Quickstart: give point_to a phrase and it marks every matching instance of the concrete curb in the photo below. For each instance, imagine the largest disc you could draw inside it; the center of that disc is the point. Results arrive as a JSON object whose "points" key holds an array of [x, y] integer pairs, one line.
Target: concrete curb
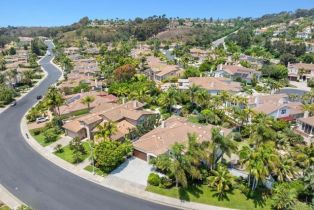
{"points": [[9, 199], [126, 187]]}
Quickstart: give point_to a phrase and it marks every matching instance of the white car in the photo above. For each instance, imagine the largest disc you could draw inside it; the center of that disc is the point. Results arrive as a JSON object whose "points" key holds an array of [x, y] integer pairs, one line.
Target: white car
{"points": [[41, 119]]}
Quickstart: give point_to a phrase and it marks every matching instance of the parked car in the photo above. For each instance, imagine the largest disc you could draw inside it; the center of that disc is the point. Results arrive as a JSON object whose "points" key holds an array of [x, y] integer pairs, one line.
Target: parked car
{"points": [[13, 103], [41, 119], [39, 97]]}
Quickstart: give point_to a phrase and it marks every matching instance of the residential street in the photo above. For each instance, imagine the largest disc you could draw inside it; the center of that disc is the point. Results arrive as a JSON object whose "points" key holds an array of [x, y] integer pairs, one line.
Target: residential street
{"points": [[38, 182]]}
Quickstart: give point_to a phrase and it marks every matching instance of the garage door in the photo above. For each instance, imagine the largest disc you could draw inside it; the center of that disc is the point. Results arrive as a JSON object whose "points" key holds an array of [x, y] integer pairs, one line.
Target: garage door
{"points": [[140, 155]]}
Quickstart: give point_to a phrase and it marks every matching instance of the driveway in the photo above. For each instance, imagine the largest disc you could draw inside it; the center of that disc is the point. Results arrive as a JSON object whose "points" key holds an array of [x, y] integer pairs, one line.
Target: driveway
{"points": [[134, 170]]}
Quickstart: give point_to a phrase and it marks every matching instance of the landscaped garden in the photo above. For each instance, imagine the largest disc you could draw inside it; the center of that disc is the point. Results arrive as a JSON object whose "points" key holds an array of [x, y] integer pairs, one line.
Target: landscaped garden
{"points": [[75, 152]]}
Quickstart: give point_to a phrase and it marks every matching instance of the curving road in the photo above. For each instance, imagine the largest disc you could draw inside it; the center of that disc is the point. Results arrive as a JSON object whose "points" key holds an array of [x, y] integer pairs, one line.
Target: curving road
{"points": [[41, 184]]}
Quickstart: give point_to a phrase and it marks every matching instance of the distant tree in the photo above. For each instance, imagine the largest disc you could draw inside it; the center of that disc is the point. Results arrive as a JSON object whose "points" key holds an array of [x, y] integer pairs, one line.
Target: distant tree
{"points": [[12, 51], [124, 73], [287, 58], [191, 72], [275, 71], [87, 100], [2, 63]]}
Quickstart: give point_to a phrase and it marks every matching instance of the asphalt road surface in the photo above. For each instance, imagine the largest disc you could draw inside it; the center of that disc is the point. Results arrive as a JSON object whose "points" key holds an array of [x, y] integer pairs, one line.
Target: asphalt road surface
{"points": [[41, 184]]}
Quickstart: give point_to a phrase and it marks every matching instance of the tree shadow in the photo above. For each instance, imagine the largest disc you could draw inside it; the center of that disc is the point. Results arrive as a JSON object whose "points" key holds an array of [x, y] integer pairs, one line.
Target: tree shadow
{"points": [[258, 197], [223, 196], [193, 190]]}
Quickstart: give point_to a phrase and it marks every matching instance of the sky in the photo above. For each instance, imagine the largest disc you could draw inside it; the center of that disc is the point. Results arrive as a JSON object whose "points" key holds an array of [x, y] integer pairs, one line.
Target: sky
{"points": [[64, 12]]}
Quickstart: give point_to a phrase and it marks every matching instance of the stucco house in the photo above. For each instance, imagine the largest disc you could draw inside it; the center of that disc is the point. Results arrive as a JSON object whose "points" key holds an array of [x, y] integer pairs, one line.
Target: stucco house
{"points": [[234, 72], [126, 116], [173, 130], [214, 85]]}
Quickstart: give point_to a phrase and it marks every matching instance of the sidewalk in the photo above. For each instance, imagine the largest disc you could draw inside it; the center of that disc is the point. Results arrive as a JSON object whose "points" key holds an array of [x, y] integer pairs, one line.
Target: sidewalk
{"points": [[9, 199], [64, 140]]}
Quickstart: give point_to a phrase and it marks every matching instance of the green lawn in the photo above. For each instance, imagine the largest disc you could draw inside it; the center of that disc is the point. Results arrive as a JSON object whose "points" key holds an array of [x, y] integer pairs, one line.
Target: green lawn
{"points": [[97, 170], [41, 139], [67, 153], [203, 194], [4, 207]]}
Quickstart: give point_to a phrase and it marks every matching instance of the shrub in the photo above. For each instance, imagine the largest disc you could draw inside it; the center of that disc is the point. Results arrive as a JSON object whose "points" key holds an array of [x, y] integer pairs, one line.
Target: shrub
{"points": [[237, 136], [284, 197], [153, 179], [165, 182], [58, 148], [37, 131]]}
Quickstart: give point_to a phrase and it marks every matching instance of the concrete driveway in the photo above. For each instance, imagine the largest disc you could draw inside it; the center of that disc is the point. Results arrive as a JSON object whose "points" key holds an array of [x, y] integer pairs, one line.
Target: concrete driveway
{"points": [[134, 170]]}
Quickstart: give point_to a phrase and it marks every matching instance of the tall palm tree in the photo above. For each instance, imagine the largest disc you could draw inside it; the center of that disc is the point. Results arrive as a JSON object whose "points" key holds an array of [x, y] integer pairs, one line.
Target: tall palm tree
{"points": [[286, 170], [87, 100], [192, 92], [54, 99], [2, 63], [179, 164], [221, 180], [221, 145], [106, 130], [202, 98], [260, 162], [12, 74], [169, 98]]}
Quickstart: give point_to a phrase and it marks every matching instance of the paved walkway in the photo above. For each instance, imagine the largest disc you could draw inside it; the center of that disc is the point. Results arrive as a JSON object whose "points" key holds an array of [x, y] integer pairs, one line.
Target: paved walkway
{"points": [[64, 140]]}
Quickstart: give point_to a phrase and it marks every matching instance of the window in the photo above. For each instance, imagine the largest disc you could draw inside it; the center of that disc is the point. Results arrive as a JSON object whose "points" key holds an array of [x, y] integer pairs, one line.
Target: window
{"points": [[283, 111]]}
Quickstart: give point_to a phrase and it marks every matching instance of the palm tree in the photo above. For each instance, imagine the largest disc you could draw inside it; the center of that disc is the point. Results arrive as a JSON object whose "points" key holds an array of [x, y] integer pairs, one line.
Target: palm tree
{"points": [[27, 77], [260, 162], [210, 116], [301, 72], [87, 100], [202, 97], [221, 180], [106, 130], [12, 73], [2, 63], [224, 97], [286, 170], [169, 98], [179, 164], [54, 99], [261, 129], [192, 92], [221, 145], [284, 197]]}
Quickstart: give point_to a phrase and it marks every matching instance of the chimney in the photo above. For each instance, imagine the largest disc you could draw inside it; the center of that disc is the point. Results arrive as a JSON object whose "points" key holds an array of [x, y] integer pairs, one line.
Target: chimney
{"points": [[257, 100], [82, 90], [220, 67], [134, 104], [123, 100], [221, 132], [306, 114], [163, 124]]}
